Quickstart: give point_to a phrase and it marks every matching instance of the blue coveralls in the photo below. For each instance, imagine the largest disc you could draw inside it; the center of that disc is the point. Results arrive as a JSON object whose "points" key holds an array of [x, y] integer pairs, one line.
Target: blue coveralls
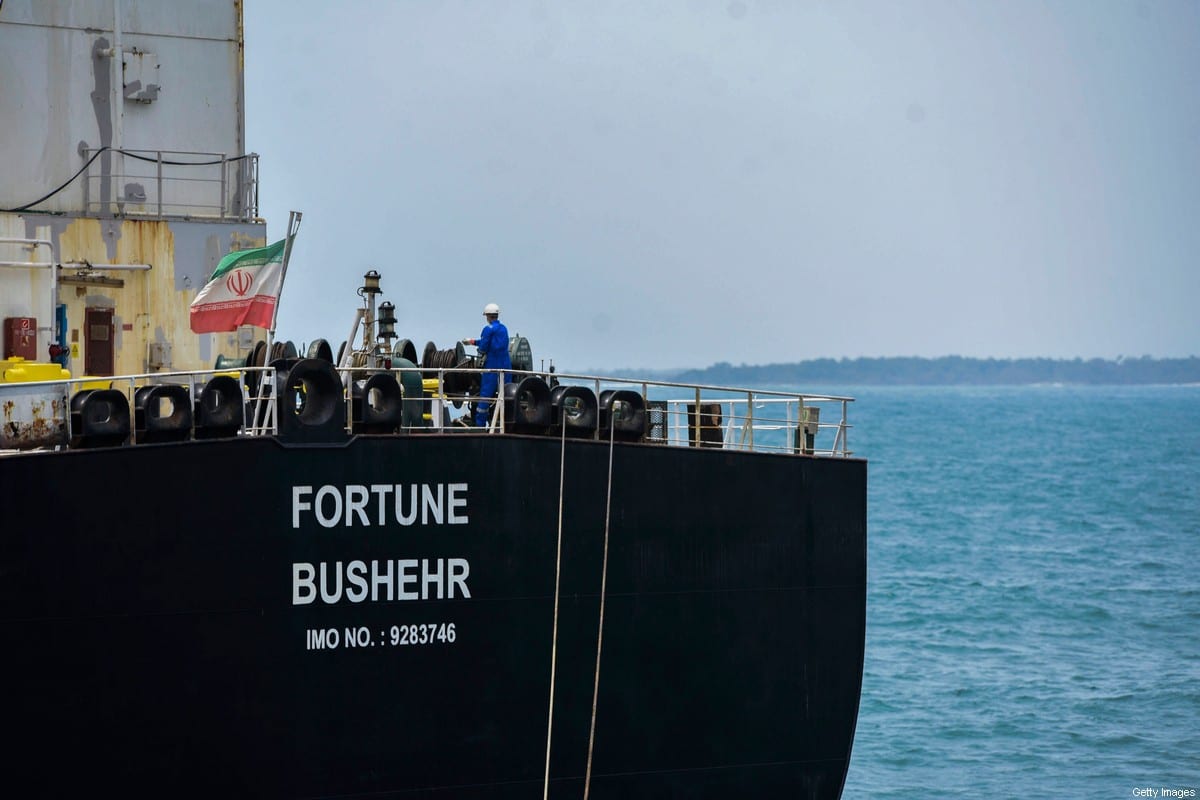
{"points": [[492, 343]]}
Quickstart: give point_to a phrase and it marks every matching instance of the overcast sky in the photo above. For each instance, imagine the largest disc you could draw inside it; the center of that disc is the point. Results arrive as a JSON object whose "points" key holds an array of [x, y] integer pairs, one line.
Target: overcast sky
{"points": [[675, 184]]}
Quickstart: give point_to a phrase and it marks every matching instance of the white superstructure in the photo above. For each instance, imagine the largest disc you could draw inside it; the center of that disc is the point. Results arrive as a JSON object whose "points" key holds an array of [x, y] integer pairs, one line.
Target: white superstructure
{"points": [[125, 175]]}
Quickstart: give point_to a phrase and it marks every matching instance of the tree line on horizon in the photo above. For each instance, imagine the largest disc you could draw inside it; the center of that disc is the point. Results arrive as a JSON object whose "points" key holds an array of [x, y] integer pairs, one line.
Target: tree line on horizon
{"points": [[954, 370]]}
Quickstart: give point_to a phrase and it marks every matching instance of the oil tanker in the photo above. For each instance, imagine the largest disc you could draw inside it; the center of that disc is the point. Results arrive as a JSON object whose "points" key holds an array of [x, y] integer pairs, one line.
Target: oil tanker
{"points": [[233, 566]]}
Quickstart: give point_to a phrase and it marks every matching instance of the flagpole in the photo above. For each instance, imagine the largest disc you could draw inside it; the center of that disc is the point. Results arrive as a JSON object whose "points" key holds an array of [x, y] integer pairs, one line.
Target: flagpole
{"points": [[293, 226], [294, 218]]}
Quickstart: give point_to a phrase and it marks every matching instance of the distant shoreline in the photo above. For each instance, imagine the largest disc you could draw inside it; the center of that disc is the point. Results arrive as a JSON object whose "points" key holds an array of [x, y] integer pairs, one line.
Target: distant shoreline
{"points": [[950, 371]]}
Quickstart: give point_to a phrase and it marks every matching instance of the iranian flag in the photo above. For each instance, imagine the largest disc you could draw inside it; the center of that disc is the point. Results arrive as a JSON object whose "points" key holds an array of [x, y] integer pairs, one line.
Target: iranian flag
{"points": [[243, 290]]}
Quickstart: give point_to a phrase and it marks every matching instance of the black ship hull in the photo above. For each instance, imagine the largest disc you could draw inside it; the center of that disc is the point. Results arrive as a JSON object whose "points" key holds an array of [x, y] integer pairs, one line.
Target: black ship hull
{"points": [[249, 618]]}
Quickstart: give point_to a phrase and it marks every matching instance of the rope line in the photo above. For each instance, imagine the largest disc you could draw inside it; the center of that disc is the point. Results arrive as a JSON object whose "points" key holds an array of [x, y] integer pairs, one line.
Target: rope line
{"points": [[587, 778], [70, 180], [440, 359], [562, 463]]}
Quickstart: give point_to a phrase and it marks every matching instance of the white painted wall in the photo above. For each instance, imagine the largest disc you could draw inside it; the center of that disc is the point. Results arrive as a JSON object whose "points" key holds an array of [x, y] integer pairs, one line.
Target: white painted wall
{"points": [[50, 76]]}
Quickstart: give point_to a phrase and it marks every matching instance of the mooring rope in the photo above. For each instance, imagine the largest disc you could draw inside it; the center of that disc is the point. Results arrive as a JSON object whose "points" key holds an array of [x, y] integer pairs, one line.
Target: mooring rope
{"points": [[439, 359], [562, 463], [587, 778]]}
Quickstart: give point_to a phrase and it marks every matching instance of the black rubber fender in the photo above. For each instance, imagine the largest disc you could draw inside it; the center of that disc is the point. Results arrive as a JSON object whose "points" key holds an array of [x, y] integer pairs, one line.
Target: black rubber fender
{"points": [[151, 425], [99, 418], [527, 407], [382, 416], [623, 413], [320, 349], [219, 412], [574, 408], [311, 402]]}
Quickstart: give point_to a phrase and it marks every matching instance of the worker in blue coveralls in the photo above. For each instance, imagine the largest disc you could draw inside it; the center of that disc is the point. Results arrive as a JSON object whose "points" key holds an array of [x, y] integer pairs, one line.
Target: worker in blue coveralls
{"points": [[493, 346]]}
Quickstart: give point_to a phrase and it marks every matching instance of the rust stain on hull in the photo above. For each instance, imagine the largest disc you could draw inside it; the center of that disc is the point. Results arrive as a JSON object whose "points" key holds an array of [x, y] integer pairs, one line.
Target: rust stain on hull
{"points": [[38, 429]]}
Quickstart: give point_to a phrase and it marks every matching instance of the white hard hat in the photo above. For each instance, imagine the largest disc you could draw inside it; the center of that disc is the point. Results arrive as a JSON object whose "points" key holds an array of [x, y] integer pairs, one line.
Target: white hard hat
{"points": [[491, 308]]}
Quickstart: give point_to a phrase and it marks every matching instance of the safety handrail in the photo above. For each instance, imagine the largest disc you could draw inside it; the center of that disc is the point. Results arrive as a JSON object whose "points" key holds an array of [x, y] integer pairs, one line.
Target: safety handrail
{"points": [[678, 414], [226, 187], [738, 410]]}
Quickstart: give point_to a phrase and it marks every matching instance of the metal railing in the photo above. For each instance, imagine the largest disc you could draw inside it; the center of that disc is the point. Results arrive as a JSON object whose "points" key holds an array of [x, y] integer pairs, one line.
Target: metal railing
{"points": [[677, 414], [700, 415], [171, 183]]}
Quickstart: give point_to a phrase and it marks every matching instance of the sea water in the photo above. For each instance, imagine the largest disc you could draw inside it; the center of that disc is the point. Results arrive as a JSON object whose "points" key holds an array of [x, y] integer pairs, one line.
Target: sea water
{"points": [[1033, 621]]}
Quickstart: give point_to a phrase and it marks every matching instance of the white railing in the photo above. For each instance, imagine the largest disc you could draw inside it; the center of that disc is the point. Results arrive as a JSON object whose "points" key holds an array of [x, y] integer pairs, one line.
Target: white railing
{"points": [[176, 183], [738, 419], [677, 414]]}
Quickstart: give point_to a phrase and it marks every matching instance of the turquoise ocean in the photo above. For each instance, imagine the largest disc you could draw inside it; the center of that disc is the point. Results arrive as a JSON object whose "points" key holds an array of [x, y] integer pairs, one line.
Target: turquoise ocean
{"points": [[1033, 623]]}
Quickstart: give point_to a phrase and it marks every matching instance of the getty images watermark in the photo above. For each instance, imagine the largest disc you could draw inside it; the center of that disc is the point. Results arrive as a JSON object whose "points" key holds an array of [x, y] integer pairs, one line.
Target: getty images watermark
{"points": [[1162, 791]]}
